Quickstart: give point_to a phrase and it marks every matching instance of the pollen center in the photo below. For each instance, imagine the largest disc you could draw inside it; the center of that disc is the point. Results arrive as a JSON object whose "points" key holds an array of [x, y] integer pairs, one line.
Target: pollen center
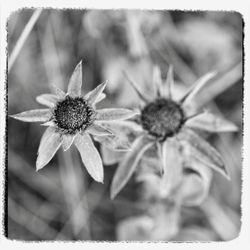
{"points": [[73, 114], [162, 118]]}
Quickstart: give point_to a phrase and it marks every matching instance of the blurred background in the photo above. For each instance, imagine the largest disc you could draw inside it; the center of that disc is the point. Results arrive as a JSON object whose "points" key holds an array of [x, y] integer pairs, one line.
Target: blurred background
{"points": [[62, 202]]}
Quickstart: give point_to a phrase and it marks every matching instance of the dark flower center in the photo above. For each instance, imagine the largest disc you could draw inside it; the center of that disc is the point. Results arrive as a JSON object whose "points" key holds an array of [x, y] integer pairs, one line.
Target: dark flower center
{"points": [[162, 118], [73, 114]]}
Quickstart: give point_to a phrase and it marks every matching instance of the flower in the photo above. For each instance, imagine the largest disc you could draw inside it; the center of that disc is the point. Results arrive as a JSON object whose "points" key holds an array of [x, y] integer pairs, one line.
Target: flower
{"points": [[72, 118], [166, 124]]}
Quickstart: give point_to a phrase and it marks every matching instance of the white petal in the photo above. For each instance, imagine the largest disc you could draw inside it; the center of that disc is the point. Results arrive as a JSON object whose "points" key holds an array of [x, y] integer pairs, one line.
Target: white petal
{"points": [[210, 122], [196, 147], [90, 156], [49, 144], [196, 88], [114, 114], [60, 94], [75, 82], [67, 141], [98, 130], [139, 92], [169, 84], [35, 115], [157, 82], [49, 100], [128, 165], [94, 96]]}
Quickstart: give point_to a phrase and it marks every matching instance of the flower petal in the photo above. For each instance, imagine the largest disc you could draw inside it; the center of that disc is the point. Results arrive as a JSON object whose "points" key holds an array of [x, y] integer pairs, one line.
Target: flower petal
{"points": [[47, 100], [114, 114], [210, 122], [196, 147], [142, 95], [35, 115], [196, 88], [157, 82], [169, 83], [100, 97], [90, 156], [129, 164], [94, 96], [98, 130], [49, 144], [60, 94], [67, 141], [75, 82]]}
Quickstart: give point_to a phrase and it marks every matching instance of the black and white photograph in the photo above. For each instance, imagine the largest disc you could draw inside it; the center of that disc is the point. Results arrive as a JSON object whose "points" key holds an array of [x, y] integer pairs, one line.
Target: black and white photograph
{"points": [[123, 125]]}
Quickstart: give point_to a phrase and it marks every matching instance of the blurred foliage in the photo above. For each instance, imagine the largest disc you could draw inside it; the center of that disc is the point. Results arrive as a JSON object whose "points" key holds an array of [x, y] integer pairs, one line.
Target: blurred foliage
{"points": [[61, 202]]}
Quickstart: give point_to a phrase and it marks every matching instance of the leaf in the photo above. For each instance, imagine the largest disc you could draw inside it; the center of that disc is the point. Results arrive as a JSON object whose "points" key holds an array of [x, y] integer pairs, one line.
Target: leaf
{"points": [[49, 144], [110, 157], [113, 114], [113, 142], [210, 122], [195, 185], [98, 130], [172, 166], [90, 156], [195, 146], [94, 96], [191, 94], [49, 100], [124, 133], [35, 115], [128, 165], [75, 82], [67, 141]]}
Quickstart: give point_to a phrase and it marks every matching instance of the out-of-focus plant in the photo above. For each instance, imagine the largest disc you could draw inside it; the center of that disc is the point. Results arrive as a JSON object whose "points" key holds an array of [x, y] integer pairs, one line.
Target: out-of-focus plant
{"points": [[71, 117], [172, 161]]}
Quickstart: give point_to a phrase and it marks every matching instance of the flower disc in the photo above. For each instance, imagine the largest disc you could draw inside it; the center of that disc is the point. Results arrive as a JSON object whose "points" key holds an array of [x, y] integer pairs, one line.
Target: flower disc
{"points": [[73, 114], [162, 118]]}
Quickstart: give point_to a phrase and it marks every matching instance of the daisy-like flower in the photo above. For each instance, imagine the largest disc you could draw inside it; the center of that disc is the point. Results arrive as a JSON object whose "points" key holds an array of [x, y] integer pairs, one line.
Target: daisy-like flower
{"points": [[72, 118], [167, 124]]}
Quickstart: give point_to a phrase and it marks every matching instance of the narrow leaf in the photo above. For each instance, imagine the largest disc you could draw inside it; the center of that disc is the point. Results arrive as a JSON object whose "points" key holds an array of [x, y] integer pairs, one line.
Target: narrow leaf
{"points": [[195, 146], [142, 95], [212, 123], [196, 88], [75, 82], [90, 156], [129, 163], [67, 141], [113, 114], [49, 144], [35, 115], [49, 100], [94, 96], [98, 130]]}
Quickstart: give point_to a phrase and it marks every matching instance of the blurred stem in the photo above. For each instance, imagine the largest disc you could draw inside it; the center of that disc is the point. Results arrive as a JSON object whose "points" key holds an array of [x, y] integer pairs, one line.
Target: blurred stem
{"points": [[32, 223], [73, 187], [29, 26]]}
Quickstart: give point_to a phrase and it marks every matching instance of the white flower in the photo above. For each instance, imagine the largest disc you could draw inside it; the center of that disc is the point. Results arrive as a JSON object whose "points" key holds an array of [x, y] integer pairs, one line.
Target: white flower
{"points": [[72, 118]]}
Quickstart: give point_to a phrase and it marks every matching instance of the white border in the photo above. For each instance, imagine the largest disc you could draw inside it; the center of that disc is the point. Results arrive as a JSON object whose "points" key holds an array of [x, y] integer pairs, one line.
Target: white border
{"points": [[243, 240]]}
